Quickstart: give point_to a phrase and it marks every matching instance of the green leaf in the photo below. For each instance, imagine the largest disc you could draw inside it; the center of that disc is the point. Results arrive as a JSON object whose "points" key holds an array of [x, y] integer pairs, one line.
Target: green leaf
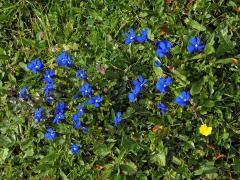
{"points": [[224, 61], [208, 103], [196, 87], [6, 141], [159, 159], [158, 71], [63, 175], [102, 150], [129, 168], [3, 154], [195, 25], [176, 161]]}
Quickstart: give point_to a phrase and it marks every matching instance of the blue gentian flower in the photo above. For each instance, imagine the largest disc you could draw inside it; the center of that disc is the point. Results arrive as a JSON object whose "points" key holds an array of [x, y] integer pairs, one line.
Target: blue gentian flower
{"points": [[163, 47], [95, 100], [86, 89], [60, 107], [162, 107], [163, 84], [133, 94], [118, 118], [35, 66], [38, 114], [195, 45], [58, 117], [50, 134], [76, 121], [157, 63], [81, 73], [130, 36], [48, 76], [74, 148], [182, 99], [47, 88], [81, 109], [23, 93], [64, 60], [140, 82], [84, 130], [143, 37]]}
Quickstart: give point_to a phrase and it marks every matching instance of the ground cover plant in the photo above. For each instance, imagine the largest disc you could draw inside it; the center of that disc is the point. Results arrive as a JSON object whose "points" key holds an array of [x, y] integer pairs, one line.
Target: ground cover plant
{"points": [[120, 90]]}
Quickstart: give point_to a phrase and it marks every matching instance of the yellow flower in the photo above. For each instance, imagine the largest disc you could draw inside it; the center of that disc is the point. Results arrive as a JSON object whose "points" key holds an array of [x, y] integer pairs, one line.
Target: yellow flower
{"points": [[204, 130]]}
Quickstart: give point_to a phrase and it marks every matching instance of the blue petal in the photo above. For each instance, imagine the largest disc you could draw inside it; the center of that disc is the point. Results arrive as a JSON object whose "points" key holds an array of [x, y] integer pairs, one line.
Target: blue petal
{"points": [[193, 40], [131, 97], [190, 49], [160, 53], [198, 40], [128, 41], [200, 47], [132, 33]]}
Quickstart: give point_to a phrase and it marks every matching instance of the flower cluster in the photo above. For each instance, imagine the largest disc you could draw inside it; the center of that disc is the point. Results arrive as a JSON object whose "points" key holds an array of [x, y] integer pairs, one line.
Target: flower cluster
{"points": [[76, 118], [138, 84], [162, 48], [86, 92], [131, 36], [59, 112], [49, 86]]}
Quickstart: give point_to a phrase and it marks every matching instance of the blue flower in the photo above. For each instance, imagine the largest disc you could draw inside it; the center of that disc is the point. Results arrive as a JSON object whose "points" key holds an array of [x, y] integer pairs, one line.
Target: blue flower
{"points": [[58, 117], [133, 94], [64, 60], [76, 121], [182, 99], [118, 118], [47, 88], [48, 76], [157, 63], [95, 100], [38, 114], [163, 47], [86, 89], [162, 107], [143, 37], [163, 84], [23, 93], [81, 73], [84, 130], [35, 66], [50, 134], [74, 148], [60, 107], [140, 82], [195, 45], [130, 36], [81, 109]]}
